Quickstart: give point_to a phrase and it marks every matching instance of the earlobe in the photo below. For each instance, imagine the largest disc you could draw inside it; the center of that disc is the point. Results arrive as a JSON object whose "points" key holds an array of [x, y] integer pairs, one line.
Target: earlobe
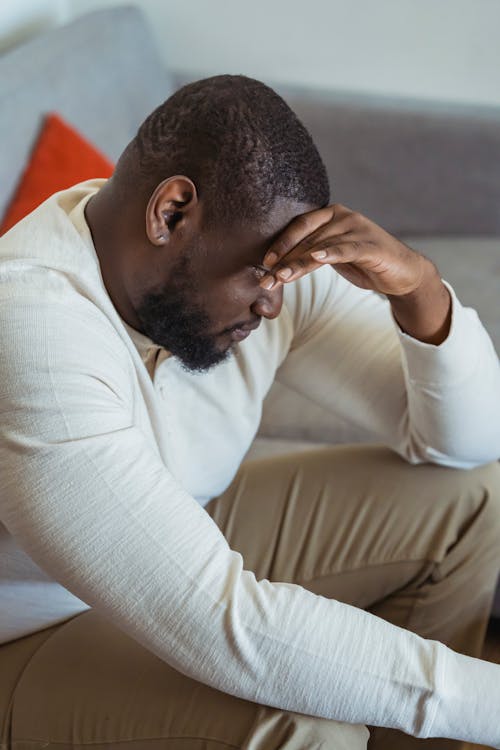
{"points": [[170, 218]]}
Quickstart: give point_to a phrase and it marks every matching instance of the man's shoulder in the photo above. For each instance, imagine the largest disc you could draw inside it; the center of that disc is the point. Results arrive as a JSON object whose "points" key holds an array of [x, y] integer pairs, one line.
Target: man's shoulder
{"points": [[50, 235], [48, 255]]}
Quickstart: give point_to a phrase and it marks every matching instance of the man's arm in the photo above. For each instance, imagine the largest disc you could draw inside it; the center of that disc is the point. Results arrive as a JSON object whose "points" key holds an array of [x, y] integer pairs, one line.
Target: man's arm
{"points": [[89, 499], [425, 313], [416, 370]]}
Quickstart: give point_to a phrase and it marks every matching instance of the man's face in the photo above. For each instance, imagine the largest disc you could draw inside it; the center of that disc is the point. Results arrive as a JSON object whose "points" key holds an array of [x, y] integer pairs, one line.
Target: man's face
{"points": [[211, 298]]}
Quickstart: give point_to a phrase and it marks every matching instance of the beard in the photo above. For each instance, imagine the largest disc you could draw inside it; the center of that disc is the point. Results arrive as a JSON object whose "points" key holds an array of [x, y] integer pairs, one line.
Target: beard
{"points": [[171, 320]]}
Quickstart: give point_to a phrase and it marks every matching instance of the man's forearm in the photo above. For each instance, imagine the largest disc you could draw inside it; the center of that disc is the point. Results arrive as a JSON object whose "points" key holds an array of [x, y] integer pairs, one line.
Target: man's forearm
{"points": [[425, 313]]}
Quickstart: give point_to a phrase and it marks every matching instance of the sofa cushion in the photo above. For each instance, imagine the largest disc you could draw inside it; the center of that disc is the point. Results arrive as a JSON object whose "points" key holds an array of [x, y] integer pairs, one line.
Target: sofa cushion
{"points": [[102, 71], [267, 447], [61, 158]]}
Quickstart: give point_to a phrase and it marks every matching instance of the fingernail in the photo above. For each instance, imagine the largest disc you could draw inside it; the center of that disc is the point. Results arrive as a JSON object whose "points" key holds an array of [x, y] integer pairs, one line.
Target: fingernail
{"points": [[285, 273], [319, 254], [270, 259], [267, 282]]}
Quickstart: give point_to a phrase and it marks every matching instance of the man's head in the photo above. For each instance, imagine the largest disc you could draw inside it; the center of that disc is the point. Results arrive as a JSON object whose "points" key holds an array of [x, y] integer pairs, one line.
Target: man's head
{"points": [[212, 177]]}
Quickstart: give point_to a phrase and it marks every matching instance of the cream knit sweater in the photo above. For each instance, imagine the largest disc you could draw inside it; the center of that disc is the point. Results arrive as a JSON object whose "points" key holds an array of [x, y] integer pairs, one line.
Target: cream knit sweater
{"points": [[101, 462]]}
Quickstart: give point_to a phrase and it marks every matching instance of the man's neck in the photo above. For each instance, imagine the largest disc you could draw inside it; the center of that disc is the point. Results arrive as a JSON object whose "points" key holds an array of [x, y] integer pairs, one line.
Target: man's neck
{"points": [[99, 213]]}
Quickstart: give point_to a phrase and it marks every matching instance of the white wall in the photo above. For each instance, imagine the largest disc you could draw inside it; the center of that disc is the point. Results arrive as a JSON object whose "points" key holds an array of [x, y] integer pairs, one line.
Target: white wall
{"points": [[20, 19], [447, 50]]}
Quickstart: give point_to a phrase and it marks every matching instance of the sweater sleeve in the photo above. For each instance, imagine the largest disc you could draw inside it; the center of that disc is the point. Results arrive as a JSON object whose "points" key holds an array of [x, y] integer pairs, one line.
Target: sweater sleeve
{"points": [[89, 499], [438, 404]]}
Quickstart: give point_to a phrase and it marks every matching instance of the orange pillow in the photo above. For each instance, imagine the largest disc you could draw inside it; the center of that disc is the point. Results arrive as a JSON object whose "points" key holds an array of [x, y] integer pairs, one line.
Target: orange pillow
{"points": [[61, 158]]}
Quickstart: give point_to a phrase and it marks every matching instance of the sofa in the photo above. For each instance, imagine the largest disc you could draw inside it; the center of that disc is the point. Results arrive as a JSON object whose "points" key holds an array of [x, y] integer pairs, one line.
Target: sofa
{"points": [[428, 172]]}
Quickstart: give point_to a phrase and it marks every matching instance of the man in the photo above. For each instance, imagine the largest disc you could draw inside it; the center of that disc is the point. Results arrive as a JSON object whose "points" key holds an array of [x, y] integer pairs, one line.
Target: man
{"points": [[315, 593]]}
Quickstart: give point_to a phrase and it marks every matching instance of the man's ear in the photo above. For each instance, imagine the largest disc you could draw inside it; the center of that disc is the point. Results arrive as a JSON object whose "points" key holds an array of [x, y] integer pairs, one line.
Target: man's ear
{"points": [[170, 205]]}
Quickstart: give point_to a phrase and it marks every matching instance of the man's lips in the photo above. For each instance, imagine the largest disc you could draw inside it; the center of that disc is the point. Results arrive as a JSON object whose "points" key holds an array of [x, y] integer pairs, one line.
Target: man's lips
{"points": [[240, 332]]}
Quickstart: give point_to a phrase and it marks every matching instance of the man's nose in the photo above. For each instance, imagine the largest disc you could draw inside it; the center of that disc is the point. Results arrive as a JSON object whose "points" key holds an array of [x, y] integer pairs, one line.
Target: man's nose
{"points": [[269, 302]]}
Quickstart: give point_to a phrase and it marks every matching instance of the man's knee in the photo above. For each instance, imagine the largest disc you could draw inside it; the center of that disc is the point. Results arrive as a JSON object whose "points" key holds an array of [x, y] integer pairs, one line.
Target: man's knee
{"points": [[484, 484], [489, 477], [474, 511], [462, 511], [477, 490]]}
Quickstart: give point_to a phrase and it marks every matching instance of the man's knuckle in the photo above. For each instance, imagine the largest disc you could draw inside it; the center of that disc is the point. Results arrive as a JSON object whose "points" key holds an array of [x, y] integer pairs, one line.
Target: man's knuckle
{"points": [[309, 243], [280, 245], [324, 244], [340, 210], [303, 222]]}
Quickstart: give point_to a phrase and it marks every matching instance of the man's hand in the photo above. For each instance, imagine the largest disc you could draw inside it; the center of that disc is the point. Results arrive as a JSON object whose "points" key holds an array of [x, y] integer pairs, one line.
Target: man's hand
{"points": [[368, 257]]}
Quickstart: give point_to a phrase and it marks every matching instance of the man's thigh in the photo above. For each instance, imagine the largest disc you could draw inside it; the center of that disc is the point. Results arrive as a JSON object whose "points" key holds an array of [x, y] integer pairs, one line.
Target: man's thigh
{"points": [[88, 684], [358, 523]]}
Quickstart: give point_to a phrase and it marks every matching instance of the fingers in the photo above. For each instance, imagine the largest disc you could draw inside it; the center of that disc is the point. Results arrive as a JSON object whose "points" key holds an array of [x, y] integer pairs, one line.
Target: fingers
{"points": [[302, 227], [326, 250], [289, 273], [356, 247]]}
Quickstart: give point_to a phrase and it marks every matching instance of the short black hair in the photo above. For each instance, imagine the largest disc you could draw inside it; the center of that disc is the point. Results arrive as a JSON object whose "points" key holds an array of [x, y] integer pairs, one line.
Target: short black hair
{"points": [[238, 141]]}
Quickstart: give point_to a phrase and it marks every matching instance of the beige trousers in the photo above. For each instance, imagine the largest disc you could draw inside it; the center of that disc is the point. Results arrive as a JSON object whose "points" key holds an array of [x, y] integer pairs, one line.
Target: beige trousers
{"points": [[418, 546]]}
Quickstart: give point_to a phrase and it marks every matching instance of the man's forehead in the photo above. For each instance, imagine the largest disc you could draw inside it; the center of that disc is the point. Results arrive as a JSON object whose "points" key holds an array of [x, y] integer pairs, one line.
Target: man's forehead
{"points": [[283, 212], [248, 242], [275, 222]]}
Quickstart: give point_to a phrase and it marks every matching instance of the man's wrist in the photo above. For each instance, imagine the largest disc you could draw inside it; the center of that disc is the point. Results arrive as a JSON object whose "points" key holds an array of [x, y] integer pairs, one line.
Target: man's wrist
{"points": [[425, 313]]}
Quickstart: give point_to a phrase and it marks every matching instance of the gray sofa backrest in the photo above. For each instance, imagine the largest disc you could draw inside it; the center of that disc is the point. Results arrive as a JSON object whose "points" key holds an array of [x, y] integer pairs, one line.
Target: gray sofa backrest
{"points": [[414, 167], [102, 73]]}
